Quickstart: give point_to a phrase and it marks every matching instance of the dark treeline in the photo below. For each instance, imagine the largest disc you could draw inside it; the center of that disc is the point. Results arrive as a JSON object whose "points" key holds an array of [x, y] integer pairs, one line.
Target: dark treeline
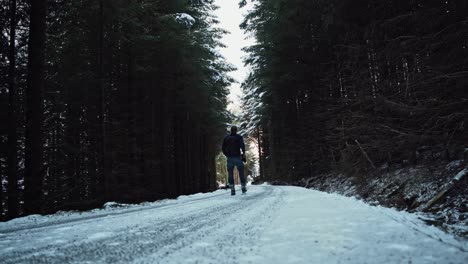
{"points": [[356, 84], [106, 100]]}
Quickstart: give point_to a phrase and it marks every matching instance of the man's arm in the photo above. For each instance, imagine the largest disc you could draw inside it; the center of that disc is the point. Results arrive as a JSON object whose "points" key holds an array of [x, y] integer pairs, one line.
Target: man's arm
{"points": [[223, 148], [242, 145]]}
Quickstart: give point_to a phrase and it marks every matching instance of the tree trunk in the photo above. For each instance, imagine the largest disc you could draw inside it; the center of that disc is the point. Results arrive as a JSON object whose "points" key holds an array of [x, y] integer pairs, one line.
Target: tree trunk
{"points": [[104, 182], [260, 155], [131, 179], [72, 133], [34, 107], [12, 119]]}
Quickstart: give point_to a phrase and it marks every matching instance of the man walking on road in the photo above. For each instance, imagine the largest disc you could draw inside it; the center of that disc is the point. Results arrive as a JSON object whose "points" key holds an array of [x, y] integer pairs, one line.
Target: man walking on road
{"points": [[232, 146]]}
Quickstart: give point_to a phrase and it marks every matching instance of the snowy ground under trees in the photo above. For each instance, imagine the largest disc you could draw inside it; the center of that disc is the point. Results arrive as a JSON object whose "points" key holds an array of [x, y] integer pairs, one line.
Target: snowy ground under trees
{"points": [[271, 224]]}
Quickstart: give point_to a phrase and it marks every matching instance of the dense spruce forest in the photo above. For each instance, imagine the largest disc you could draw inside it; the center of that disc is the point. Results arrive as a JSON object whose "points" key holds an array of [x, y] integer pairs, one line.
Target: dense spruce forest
{"points": [[112, 100], [354, 85], [108, 101]]}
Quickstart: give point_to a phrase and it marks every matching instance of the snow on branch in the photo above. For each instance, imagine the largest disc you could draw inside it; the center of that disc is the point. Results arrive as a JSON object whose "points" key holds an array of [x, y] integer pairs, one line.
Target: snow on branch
{"points": [[185, 19]]}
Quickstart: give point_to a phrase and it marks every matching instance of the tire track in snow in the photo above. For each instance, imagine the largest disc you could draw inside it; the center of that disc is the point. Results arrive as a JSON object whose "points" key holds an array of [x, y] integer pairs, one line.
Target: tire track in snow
{"points": [[111, 214], [155, 238], [239, 231]]}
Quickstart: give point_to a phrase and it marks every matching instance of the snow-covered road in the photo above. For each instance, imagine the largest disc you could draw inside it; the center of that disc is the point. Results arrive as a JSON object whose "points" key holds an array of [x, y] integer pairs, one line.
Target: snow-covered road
{"points": [[269, 224]]}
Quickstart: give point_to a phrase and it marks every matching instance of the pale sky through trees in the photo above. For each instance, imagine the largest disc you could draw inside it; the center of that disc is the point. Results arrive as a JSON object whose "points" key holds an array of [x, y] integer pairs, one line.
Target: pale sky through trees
{"points": [[230, 17]]}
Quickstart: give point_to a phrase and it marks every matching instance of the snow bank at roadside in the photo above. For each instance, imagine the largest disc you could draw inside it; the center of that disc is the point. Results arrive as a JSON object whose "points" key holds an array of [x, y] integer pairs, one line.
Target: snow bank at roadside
{"points": [[407, 189], [108, 209]]}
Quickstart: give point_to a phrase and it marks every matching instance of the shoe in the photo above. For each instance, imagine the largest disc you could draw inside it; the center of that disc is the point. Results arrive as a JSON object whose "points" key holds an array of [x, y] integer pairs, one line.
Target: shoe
{"points": [[233, 192], [244, 189]]}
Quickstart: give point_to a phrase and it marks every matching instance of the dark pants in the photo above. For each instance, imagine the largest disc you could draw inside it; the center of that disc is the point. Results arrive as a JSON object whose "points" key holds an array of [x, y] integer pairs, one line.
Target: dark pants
{"points": [[235, 162]]}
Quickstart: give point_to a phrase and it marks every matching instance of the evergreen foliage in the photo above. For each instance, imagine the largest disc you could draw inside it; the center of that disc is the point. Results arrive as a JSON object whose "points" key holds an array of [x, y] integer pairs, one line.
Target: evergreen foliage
{"points": [[134, 103], [335, 81]]}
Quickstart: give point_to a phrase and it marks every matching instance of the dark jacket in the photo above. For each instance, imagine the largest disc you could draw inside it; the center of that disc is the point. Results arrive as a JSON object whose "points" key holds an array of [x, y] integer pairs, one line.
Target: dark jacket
{"points": [[232, 145]]}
